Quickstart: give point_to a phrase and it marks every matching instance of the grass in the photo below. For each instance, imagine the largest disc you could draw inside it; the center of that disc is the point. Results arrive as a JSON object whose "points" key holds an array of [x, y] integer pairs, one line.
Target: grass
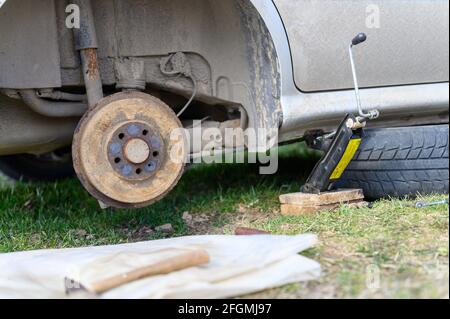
{"points": [[391, 250]]}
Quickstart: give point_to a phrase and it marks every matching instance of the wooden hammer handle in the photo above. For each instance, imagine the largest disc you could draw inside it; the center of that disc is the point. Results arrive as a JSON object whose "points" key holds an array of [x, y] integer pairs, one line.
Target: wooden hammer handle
{"points": [[191, 259]]}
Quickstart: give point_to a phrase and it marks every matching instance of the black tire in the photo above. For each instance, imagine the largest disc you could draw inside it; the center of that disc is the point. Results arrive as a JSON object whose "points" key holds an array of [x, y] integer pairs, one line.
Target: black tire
{"points": [[396, 162], [44, 168]]}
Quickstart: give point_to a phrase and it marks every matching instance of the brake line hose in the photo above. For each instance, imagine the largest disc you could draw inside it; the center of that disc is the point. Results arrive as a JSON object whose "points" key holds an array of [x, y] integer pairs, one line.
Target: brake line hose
{"points": [[179, 66]]}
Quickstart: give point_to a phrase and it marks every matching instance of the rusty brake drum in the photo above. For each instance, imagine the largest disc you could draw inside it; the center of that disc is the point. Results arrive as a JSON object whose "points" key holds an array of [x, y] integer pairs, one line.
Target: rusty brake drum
{"points": [[127, 151]]}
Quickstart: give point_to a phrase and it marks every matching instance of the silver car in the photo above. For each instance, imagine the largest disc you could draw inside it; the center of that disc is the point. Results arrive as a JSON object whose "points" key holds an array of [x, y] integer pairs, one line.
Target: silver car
{"points": [[106, 83]]}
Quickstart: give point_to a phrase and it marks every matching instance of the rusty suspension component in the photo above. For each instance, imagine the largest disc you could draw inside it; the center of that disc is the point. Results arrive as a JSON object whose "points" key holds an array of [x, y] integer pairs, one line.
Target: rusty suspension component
{"points": [[86, 42]]}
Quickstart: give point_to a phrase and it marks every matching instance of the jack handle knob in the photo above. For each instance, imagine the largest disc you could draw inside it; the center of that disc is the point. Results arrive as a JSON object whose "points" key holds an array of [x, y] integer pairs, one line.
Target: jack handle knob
{"points": [[360, 38]]}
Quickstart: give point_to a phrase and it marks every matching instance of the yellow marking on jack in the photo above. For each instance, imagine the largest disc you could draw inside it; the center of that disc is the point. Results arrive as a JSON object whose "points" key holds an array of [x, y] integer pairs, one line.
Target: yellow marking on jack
{"points": [[352, 147]]}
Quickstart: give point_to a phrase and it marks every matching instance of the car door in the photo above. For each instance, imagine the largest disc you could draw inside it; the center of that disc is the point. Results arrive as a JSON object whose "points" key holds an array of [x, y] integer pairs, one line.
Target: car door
{"points": [[407, 43]]}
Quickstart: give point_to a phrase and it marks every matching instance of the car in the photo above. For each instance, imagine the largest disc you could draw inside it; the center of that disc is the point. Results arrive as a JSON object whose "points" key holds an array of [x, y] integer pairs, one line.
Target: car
{"points": [[110, 81]]}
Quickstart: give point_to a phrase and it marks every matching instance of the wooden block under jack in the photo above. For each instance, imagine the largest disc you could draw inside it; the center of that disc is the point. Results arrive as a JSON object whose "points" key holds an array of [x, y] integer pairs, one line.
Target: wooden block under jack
{"points": [[302, 203]]}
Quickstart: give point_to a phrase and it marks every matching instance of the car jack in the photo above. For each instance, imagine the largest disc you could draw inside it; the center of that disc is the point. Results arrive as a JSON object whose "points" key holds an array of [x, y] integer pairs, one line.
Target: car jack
{"points": [[341, 145], [339, 151]]}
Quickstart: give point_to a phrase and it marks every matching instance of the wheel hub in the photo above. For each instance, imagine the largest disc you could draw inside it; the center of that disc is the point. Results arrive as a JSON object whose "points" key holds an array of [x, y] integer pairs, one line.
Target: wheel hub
{"points": [[135, 151], [121, 150]]}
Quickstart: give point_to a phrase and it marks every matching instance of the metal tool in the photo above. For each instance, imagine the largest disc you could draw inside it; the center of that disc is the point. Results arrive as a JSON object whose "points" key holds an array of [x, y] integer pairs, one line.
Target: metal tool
{"points": [[429, 204], [245, 231], [363, 116]]}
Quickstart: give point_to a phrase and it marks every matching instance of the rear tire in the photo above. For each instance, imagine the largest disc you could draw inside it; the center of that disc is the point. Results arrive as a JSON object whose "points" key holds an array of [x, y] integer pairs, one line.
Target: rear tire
{"points": [[32, 168], [400, 161]]}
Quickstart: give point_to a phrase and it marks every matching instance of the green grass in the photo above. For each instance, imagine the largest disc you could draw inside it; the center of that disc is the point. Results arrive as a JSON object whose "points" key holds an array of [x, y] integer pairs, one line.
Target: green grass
{"points": [[407, 246]]}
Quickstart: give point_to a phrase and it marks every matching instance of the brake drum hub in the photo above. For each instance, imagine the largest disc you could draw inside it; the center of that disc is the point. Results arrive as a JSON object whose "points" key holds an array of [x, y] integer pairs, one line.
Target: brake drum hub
{"points": [[123, 151], [136, 151]]}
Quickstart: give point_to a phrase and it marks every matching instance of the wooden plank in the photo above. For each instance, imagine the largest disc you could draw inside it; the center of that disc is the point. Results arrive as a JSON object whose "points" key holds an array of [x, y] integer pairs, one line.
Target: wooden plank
{"points": [[326, 198], [296, 210]]}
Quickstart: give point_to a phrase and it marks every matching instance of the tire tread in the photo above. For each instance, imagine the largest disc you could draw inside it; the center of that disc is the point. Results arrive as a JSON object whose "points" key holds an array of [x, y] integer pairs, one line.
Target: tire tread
{"points": [[401, 161]]}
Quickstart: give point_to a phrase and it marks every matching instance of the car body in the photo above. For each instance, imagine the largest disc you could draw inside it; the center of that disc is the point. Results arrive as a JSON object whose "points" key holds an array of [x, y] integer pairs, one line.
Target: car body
{"points": [[284, 61]]}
